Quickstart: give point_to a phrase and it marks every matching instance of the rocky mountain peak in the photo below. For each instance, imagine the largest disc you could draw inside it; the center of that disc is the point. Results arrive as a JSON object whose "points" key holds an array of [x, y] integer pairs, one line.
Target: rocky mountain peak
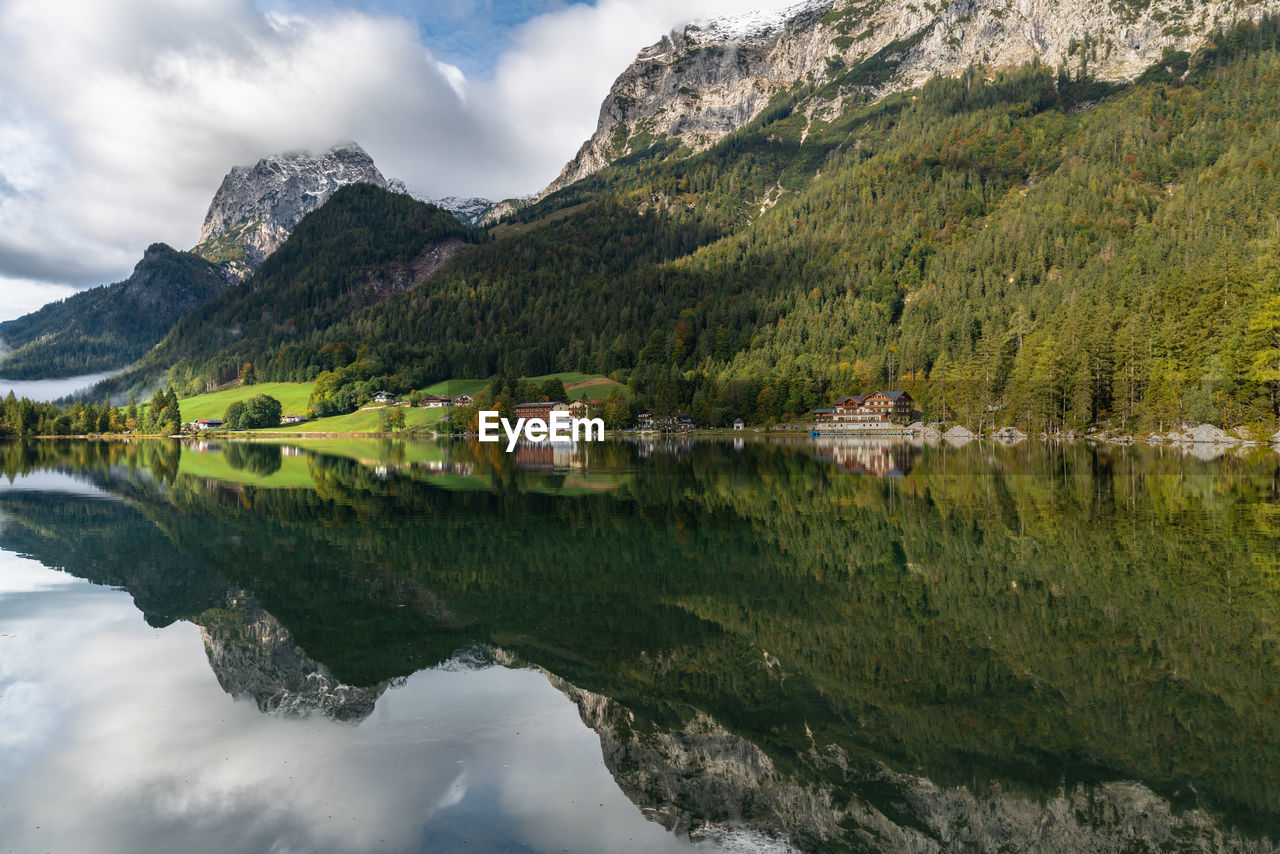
{"points": [[705, 80], [470, 211], [257, 206]]}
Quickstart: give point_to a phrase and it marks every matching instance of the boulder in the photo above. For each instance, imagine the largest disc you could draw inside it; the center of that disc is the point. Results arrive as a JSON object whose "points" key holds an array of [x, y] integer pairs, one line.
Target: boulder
{"points": [[1009, 434], [1207, 434], [1173, 437], [1275, 440], [959, 434]]}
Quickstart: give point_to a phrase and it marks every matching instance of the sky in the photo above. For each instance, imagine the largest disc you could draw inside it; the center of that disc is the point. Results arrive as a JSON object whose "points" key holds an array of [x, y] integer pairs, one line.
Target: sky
{"points": [[118, 118]]}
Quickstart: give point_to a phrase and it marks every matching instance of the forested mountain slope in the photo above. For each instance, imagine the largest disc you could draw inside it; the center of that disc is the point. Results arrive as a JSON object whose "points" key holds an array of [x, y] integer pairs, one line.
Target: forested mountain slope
{"points": [[1049, 249], [107, 327], [363, 246]]}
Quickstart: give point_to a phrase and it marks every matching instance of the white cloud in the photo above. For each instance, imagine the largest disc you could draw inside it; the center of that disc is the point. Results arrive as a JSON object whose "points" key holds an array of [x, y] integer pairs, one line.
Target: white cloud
{"points": [[552, 82], [119, 118], [20, 296]]}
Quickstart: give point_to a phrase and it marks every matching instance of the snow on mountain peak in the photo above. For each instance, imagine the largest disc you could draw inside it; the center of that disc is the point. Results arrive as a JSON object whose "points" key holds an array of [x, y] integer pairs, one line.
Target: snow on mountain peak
{"points": [[751, 26], [256, 207]]}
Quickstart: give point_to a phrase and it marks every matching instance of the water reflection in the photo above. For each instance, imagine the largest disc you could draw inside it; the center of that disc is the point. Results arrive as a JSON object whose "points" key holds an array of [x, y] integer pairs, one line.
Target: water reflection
{"points": [[831, 644], [879, 457], [117, 739]]}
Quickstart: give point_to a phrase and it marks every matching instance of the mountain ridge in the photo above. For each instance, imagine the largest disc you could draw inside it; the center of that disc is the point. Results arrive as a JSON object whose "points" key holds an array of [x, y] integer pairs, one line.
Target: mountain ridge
{"points": [[251, 214], [709, 78], [362, 247], [1034, 247], [997, 246], [107, 327], [470, 211]]}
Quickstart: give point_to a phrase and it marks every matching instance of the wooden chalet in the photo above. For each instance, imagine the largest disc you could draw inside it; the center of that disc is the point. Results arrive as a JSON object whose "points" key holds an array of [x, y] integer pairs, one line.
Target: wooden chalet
{"points": [[887, 405], [852, 409]]}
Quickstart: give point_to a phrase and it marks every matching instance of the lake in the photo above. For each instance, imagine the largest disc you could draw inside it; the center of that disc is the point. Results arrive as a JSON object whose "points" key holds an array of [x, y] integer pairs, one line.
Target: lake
{"points": [[741, 645]]}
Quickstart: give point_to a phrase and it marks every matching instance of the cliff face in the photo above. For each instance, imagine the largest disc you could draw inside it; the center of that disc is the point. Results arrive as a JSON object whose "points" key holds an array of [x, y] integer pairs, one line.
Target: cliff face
{"points": [[698, 84], [256, 207], [708, 783]]}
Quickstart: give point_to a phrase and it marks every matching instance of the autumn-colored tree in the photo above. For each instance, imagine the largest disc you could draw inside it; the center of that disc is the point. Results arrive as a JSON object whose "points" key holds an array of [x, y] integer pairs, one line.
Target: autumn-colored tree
{"points": [[1264, 347]]}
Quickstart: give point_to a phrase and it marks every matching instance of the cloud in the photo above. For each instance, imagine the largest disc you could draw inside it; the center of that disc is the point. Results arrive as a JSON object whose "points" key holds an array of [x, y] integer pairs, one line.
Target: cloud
{"points": [[22, 296], [119, 118]]}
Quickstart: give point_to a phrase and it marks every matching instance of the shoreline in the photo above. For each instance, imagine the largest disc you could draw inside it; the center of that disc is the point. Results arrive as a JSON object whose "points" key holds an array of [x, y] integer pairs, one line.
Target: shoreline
{"points": [[1154, 440]]}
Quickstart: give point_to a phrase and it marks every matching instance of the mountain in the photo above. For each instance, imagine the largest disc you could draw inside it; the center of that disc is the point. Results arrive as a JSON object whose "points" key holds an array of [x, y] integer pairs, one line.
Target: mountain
{"points": [[505, 208], [706, 80], [256, 207], [107, 327], [251, 215], [1039, 246], [470, 212], [362, 247]]}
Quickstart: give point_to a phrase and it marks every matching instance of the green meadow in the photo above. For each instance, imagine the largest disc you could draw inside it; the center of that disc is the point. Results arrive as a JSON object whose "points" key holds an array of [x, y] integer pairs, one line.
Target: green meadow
{"points": [[453, 388], [293, 400], [363, 421], [292, 397], [579, 385]]}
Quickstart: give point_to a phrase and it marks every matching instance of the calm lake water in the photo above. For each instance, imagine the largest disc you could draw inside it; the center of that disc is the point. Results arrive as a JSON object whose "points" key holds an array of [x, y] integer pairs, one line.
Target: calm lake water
{"points": [[749, 646]]}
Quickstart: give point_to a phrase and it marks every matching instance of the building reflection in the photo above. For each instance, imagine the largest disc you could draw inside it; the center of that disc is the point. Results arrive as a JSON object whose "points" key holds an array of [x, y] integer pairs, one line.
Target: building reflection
{"points": [[878, 457], [549, 456], [673, 445]]}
